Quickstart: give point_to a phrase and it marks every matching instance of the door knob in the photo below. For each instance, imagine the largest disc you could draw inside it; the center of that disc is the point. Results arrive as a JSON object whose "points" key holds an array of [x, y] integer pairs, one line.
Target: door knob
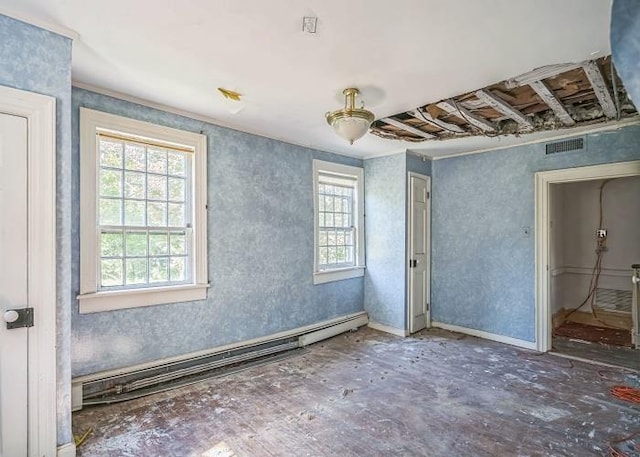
{"points": [[11, 316]]}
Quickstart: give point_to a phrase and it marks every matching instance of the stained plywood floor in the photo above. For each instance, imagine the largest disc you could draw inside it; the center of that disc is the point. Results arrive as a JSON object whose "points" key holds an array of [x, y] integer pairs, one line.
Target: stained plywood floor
{"points": [[371, 394]]}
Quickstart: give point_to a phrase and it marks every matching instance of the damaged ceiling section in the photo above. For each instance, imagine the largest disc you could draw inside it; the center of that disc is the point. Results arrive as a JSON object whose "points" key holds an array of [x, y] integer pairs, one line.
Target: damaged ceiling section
{"points": [[548, 98]]}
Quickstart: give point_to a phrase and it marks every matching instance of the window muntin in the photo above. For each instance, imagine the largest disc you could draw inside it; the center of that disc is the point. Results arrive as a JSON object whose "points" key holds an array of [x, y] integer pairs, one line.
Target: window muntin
{"points": [[147, 243], [144, 216], [336, 229], [338, 221]]}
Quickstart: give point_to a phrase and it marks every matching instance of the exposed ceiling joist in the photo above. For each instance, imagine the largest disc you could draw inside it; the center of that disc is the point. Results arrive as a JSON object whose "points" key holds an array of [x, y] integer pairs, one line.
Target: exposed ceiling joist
{"points": [[504, 108], [554, 97], [548, 71], [424, 116], [552, 101], [452, 107], [596, 79], [407, 128]]}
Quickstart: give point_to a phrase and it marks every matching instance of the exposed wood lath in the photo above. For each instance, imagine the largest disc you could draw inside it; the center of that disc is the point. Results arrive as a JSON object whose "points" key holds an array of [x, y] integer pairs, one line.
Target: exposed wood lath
{"points": [[548, 98]]}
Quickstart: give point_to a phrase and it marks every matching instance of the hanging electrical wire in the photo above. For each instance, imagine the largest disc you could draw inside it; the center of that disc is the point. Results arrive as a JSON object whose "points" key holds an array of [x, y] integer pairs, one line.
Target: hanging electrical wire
{"points": [[601, 247]]}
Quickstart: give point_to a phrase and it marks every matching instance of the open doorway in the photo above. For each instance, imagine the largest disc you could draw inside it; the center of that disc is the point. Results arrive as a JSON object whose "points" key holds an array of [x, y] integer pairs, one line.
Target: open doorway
{"points": [[550, 257], [593, 241]]}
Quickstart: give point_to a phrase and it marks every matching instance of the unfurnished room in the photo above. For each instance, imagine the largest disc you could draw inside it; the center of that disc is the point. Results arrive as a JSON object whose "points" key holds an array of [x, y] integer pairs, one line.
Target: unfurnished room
{"points": [[319, 228]]}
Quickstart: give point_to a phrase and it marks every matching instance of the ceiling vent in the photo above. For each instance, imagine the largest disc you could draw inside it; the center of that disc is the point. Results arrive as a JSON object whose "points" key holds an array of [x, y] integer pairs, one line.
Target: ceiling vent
{"points": [[572, 144]]}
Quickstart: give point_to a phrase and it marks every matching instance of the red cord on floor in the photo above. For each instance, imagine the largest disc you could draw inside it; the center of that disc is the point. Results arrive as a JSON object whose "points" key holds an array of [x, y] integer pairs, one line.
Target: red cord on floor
{"points": [[630, 394], [626, 393]]}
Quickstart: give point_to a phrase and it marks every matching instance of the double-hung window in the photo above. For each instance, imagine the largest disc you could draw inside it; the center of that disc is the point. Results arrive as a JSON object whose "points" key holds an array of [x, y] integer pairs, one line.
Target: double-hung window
{"points": [[143, 213], [339, 221]]}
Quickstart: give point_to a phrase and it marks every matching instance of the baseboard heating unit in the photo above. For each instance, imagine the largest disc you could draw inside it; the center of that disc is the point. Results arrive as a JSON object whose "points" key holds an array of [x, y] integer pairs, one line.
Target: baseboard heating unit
{"points": [[145, 379]]}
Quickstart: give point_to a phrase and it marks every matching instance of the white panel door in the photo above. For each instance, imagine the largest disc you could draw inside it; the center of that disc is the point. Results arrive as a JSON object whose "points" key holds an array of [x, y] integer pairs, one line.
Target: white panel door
{"points": [[418, 278], [13, 284]]}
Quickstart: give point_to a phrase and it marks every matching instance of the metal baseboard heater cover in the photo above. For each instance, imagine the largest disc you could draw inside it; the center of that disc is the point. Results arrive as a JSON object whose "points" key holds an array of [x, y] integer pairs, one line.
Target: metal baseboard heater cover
{"points": [[135, 382]]}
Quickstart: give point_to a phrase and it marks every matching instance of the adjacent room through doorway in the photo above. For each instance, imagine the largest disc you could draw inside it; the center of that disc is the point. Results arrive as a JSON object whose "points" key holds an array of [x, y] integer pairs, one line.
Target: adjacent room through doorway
{"points": [[593, 243]]}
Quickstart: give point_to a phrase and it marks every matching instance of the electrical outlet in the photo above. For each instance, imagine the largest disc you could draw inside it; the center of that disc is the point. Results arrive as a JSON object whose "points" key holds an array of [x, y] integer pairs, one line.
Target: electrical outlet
{"points": [[601, 233]]}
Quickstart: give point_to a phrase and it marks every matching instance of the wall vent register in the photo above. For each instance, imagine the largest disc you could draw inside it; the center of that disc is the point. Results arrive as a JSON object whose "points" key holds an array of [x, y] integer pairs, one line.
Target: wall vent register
{"points": [[572, 144]]}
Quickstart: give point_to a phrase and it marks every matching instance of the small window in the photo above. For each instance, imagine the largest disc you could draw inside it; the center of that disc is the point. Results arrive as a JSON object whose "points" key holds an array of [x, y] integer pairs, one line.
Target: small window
{"points": [[143, 213], [339, 222]]}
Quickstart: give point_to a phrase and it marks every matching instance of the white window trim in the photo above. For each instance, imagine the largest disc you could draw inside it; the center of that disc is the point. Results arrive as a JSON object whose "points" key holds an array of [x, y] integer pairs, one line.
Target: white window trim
{"points": [[91, 300], [356, 271]]}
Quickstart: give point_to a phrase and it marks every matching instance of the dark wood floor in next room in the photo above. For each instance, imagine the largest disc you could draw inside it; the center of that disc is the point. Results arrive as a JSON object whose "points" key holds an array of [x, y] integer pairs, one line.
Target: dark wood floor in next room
{"points": [[367, 393]]}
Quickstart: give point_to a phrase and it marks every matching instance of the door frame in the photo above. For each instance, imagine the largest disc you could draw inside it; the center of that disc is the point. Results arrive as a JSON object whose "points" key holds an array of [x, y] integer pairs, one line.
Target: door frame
{"points": [[40, 113], [543, 181], [411, 174]]}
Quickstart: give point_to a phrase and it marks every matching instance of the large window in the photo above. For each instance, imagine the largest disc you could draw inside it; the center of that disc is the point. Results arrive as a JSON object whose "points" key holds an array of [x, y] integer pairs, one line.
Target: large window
{"points": [[338, 234], [143, 212]]}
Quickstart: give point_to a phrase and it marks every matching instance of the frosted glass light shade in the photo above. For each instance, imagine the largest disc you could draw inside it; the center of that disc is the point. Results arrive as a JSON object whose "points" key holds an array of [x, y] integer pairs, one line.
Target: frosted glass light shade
{"points": [[350, 123], [351, 128]]}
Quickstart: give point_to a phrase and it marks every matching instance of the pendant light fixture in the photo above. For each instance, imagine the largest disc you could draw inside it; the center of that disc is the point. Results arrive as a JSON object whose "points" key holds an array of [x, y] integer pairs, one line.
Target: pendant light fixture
{"points": [[350, 123]]}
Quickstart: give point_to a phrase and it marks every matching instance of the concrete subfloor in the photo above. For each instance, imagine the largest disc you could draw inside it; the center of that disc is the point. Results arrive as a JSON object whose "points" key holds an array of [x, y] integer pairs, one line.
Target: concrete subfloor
{"points": [[368, 393]]}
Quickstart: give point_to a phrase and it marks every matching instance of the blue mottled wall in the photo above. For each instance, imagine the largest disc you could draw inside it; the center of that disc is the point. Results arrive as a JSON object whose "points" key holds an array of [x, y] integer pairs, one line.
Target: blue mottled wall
{"points": [[260, 252], [482, 264], [39, 61], [385, 223], [418, 165], [625, 44]]}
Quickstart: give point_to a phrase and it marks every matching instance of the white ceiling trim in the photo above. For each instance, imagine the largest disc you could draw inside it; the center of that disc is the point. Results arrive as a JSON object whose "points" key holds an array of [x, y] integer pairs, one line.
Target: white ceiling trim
{"points": [[30, 19], [190, 115], [609, 126]]}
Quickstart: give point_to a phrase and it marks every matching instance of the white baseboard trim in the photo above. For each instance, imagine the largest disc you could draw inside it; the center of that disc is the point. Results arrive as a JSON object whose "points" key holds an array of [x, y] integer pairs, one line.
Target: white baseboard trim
{"points": [[486, 335], [388, 329], [67, 450]]}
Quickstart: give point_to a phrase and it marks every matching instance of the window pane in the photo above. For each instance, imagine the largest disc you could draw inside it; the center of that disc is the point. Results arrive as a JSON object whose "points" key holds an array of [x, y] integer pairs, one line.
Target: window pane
{"points": [[176, 189], [158, 244], [338, 205], [110, 153], [321, 203], [110, 211], [341, 256], [328, 220], [178, 269], [134, 157], [111, 244], [322, 238], [323, 256], [133, 212], [156, 187], [321, 220], [156, 214], [134, 184], [158, 270], [157, 160], [346, 221], [176, 214], [111, 272], [178, 243], [331, 255], [136, 245], [328, 203], [136, 271], [177, 163], [340, 238], [110, 183], [337, 218]]}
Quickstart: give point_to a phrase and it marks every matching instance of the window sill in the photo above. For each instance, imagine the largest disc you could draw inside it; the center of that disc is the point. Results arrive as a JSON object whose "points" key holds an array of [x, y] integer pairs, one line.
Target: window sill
{"points": [[322, 277], [123, 299]]}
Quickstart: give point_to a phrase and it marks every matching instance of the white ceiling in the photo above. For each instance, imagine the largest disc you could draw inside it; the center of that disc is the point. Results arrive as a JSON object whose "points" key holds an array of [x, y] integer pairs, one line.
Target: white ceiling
{"points": [[402, 54]]}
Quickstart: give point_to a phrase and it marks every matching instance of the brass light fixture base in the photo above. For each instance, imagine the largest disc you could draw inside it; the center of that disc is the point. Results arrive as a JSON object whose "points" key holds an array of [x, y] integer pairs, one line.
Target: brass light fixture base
{"points": [[350, 122]]}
